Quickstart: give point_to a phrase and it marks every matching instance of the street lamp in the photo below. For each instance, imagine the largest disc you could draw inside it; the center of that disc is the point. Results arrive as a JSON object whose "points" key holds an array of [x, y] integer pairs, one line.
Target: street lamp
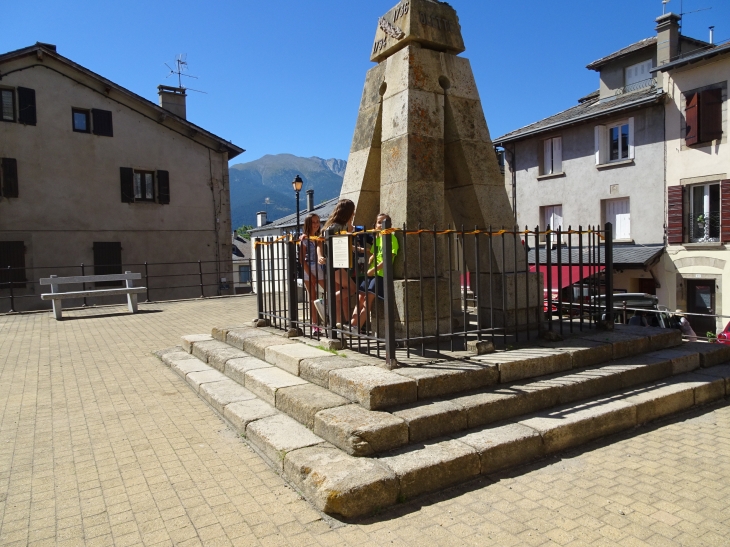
{"points": [[297, 185]]}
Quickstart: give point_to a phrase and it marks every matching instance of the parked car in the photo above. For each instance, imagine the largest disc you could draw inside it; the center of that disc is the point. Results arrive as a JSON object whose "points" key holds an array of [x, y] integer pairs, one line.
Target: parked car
{"points": [[657, 316], [724, 336]]}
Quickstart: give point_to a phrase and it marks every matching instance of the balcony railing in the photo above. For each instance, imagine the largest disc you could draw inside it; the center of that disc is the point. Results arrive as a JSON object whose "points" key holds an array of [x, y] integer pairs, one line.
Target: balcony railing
{"points": [[703, 227], [636, 86]]}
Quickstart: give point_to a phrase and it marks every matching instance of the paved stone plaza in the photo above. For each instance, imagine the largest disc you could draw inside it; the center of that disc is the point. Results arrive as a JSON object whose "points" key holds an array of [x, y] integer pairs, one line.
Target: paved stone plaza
{"points": [[102, 444]]}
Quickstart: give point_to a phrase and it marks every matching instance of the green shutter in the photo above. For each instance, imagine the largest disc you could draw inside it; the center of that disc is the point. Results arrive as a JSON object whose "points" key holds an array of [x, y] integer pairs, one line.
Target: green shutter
{"points": [[163, 187], [26, 106], [10, 177], [127, 181]]}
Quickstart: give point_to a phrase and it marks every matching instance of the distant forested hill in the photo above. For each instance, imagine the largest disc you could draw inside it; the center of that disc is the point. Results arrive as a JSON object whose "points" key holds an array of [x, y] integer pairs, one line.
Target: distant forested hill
{"points": [[271, 177]]}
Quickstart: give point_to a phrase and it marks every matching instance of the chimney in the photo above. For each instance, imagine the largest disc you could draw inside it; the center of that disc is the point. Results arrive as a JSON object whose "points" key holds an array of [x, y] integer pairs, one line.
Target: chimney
{"points": [[172, 99], [260, 219], [667, 34], [310, 200], [712, 35]]}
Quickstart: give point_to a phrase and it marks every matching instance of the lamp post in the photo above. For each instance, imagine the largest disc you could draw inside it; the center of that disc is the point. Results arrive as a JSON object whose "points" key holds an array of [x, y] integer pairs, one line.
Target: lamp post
{"points": [[297, 185]]}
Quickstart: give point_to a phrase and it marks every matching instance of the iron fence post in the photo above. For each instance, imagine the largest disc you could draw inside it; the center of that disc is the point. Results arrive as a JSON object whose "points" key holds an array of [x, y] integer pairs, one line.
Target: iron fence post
{"points": [[147, 282], [259, 282], [331, 288], [386, 241], [83, 285], [200, 272], [292, 282], [609, 274], [12, 294]]}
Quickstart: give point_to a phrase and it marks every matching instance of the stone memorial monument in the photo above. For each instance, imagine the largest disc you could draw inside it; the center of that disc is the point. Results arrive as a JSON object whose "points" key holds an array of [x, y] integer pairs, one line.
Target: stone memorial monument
{"points": [[422, 153]]}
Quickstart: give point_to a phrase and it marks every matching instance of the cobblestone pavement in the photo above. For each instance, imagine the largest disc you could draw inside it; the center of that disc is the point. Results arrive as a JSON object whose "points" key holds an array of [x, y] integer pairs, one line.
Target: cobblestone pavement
{"points": [[101, 444]]}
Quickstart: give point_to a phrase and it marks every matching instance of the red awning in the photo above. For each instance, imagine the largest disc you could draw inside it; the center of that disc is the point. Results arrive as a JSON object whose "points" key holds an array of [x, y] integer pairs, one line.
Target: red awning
{"points": [[568, 274]]}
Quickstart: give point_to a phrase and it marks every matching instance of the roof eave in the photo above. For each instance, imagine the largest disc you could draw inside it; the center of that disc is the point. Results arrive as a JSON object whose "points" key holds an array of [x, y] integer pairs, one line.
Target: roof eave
{"points": [[693, 59], [501, 141]]}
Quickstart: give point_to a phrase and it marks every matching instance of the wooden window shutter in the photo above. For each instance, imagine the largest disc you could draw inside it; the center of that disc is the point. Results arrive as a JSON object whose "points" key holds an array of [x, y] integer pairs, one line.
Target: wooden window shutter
{"points": [[10, 177], [127, 180], [163, 187], [692, 119], [675, 217], [725, 210], [710, 105], [102, 122], [26, 106]]}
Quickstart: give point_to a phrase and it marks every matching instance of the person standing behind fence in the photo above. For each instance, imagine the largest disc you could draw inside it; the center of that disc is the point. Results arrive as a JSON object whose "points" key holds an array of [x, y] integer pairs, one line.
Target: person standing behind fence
{"points": [[309, 258], [341, 221], [374, 284]]}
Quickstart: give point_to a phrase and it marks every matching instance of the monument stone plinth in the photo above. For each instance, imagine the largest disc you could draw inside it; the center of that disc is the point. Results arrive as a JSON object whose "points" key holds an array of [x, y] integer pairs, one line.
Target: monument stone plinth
{"points": [[422, 151]]}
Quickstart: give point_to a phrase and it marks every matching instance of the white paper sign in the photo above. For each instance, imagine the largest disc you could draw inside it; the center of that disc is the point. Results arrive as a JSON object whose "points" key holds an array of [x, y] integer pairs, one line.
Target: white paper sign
{"points": [[341, 252]]}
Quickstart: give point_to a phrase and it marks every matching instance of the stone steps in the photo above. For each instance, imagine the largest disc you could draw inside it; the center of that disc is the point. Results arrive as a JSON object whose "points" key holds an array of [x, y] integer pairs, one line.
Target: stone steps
{"points": [[340, 484], [323, 403], [375, 388]]}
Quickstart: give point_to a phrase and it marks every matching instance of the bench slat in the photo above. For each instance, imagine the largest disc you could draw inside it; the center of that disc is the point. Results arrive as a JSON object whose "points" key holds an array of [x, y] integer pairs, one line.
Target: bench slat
{"points": [[88, 278], [100, 292]]}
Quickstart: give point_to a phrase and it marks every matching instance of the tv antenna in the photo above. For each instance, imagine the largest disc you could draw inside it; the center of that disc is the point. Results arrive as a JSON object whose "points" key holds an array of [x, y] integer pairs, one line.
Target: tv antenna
{"points": [[181, 65]]}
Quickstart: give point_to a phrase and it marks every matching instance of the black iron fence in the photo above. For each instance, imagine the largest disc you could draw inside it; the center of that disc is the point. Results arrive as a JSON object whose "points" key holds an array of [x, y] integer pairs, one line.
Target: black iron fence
{"points": [[441, 291], [20, 288]]}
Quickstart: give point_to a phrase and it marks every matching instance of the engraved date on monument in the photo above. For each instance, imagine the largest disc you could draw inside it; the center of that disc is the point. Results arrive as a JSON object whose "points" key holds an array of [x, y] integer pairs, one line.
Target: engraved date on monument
{"points": [[380, 45], [401, 10], [435, 21]]}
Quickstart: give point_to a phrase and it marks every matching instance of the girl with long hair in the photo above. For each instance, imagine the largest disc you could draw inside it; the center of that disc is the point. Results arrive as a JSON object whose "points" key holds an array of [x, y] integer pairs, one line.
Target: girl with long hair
{"points": [[341, 220], [309, 257]]}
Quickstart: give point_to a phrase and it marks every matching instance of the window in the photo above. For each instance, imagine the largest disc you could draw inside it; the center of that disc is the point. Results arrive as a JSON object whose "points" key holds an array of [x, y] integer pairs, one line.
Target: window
{"points": [[9, 177], [703, 116], [7, 102], [618, 213], [552, 217], [615, 142], [704, 217], [107, 260], [138, 185], [244, 274], [552, 156], [637, 73], [618, 142], [12, 254], [81, 120], [144, 186]]}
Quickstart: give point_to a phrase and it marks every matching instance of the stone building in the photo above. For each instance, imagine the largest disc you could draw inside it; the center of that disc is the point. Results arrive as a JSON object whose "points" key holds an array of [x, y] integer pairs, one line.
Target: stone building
{"points": [[698, 189], [603, 159], [95, 174]]}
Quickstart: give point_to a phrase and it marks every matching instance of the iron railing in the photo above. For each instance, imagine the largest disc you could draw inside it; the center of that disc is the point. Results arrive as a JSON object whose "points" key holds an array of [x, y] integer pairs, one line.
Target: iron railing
{"points": [[199, 278], [703, 227], [445, 289], [636, 86]]}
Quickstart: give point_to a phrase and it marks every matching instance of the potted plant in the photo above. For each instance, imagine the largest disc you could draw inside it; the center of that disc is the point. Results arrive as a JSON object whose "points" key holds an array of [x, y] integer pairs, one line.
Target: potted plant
{"points": [[701, 221], [711, 337]]}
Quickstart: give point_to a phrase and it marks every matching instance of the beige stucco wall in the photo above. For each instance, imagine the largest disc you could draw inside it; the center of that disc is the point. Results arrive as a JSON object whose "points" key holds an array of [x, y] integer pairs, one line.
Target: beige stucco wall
{"points": [[69, 187], [689, 165]]}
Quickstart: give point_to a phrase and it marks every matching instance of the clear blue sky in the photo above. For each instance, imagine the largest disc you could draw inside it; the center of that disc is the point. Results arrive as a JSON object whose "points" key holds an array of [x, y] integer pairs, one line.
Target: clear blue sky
{"points": [[287, 75]]}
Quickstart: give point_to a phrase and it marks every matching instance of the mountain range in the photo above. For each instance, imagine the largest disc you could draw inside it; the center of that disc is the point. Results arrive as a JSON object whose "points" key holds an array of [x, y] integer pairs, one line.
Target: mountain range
{"points": [[271, 177]]}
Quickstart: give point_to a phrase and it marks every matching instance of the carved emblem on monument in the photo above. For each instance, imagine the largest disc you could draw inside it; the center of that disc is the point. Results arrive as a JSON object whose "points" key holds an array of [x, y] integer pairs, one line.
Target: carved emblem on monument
{"points": [[390, 29]]}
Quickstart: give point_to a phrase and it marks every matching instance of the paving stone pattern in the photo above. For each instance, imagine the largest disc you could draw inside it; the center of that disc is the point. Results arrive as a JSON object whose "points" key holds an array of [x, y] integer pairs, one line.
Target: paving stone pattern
{"points": [[102, 444]]}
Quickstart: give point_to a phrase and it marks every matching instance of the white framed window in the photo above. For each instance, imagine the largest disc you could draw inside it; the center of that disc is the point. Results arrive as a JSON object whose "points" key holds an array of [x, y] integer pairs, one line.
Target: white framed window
{"points": [[618, 213], [7, 105], [637, 73], [704, 216], [552, 156], [615, 142], [551, 217]]}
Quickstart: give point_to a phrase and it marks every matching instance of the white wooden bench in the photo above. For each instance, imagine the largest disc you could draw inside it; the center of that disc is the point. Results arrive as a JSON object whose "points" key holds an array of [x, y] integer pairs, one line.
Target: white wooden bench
{"points": [[55, 296]]}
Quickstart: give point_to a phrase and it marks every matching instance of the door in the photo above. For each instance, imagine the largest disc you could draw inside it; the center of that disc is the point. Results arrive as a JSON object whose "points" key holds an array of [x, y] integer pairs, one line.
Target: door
{"points": [[701, 299]]}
